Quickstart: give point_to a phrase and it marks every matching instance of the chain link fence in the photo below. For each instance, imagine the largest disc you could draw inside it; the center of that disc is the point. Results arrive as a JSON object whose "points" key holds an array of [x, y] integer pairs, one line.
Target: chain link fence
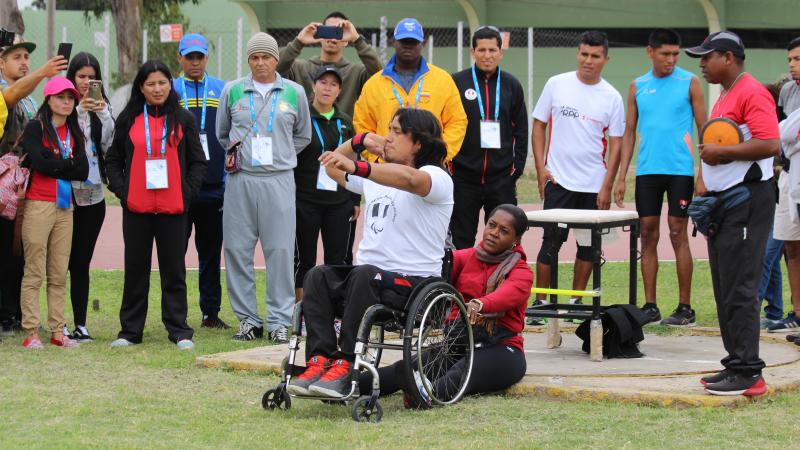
{"points": [[447, 44]]}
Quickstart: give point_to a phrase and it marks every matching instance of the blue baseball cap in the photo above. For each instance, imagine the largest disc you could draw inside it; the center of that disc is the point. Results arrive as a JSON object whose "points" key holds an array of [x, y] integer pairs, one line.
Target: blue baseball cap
{"points": [[193, 43], [409, 29]]}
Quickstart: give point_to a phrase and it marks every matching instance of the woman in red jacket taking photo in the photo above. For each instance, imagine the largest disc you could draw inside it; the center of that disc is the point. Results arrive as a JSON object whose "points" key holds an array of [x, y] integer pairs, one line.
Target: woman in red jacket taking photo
{"points": [[495, 281], [54, 145], [155, 166]]}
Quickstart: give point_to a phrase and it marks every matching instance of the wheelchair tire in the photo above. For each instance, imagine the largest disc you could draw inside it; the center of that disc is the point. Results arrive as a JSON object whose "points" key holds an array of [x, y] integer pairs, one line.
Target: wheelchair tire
{"points": [[438, 344], [362, 412], [276, 399]]}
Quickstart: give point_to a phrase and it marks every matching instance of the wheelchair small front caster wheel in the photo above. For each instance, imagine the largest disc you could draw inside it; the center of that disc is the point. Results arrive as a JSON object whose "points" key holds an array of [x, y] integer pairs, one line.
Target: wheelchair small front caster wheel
{"points": [[363, 413], [276, 398]]}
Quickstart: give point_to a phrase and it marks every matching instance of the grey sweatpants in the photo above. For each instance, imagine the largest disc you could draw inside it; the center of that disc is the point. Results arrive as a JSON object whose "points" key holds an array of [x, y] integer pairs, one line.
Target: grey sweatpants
{"points": [[260, 208]]}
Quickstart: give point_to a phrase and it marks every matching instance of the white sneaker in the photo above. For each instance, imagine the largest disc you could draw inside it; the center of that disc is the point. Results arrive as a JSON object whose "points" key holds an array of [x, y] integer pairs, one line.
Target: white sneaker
{"points": [[185, 344], [122, 343]]}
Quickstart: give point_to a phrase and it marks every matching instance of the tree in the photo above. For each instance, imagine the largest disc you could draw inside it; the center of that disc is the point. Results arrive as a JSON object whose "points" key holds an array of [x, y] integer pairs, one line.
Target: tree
{"points": [[130, 17], [10, 18]]}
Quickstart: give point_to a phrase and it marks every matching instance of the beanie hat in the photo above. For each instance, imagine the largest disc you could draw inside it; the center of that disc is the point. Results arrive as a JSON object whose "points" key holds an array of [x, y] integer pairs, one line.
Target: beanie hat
{"points": [[262, 43]]}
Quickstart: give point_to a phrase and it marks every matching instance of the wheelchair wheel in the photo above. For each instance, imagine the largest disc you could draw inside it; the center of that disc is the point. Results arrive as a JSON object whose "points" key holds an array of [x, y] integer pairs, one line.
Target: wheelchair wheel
{"points": [[444, 339], [363, 413], [372, 354], [276, 399]]}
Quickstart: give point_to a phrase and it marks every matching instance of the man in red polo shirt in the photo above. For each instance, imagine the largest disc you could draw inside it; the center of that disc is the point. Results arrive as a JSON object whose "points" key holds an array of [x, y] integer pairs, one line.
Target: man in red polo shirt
{"points": [[742, 233]]}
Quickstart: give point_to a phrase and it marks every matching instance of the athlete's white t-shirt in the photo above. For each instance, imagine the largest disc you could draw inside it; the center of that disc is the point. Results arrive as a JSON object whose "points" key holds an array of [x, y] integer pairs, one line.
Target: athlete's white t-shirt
{"points": [[404, 232], [579, 115]]}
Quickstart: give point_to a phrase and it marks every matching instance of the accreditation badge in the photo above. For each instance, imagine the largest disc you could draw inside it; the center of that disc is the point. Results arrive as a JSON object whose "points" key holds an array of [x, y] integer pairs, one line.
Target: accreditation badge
{"points": [[261, 147], [156, 173], [204, 143], [490, 134], [324, 181]]}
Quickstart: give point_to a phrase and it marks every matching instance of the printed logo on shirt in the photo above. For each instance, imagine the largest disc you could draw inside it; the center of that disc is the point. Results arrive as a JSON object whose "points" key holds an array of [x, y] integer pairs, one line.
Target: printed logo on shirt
{"points": [[470, 94], [568, 111], [379, 211]]}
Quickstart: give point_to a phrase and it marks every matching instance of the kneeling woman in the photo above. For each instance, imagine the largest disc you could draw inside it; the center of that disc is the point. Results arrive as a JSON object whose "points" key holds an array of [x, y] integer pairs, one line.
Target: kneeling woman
{"points": [[496, 280]]}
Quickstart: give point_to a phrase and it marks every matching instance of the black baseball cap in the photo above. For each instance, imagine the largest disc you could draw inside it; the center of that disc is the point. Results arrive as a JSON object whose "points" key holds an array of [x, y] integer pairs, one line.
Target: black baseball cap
{"points": [[317, 74], [721, 41]]}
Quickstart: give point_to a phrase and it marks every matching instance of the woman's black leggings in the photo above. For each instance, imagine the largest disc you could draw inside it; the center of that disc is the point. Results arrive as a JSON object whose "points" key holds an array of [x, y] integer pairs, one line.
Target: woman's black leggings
{"points": [[493, 369], [87, 221]]}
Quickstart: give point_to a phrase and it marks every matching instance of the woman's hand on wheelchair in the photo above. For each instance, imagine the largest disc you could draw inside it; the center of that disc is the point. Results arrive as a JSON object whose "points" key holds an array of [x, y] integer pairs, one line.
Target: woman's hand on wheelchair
{"points": [[473, 310]]}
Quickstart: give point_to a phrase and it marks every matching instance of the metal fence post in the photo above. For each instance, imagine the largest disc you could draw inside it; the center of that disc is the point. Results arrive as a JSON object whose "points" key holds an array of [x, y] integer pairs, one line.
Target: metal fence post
{"points": [[219, 57], [107, 50], [530, 70], [144, 45], [460, 46], [383, 39], [430, 49], [239, 31]]}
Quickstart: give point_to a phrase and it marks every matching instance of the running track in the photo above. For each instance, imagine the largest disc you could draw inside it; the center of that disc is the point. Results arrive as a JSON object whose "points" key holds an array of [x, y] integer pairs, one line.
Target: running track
{"points": [[110, 249]]}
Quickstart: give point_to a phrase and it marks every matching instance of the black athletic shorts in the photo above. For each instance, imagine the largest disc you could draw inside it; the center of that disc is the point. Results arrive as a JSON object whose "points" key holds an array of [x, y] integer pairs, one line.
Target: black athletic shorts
{"points": [[557, 196], [650, 194]]}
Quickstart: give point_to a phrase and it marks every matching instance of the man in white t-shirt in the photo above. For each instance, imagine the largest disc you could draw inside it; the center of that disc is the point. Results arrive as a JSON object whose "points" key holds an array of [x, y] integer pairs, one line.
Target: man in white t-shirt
{"points": [[409, 200], [586, 117]]}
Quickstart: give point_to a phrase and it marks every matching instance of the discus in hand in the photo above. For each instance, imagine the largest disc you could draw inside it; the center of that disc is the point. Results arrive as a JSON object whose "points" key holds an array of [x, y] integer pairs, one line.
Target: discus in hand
{"points": [[721, 131]]}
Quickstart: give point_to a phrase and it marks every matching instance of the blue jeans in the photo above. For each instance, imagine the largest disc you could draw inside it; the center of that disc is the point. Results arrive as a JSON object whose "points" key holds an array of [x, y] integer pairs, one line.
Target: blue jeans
{"points": [[771, 286]]}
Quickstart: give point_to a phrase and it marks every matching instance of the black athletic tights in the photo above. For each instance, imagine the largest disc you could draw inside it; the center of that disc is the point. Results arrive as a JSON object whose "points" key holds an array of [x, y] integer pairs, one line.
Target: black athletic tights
{"points": [[86, 224], [493, 369]]}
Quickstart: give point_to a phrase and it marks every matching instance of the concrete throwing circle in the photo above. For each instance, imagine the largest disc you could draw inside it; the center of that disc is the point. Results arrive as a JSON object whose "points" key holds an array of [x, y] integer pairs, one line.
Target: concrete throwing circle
{"points": [[664, 355]]}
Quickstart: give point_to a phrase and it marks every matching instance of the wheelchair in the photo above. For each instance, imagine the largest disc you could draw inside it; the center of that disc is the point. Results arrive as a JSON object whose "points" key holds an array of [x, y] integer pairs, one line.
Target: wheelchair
{"points": [[432, 331]]}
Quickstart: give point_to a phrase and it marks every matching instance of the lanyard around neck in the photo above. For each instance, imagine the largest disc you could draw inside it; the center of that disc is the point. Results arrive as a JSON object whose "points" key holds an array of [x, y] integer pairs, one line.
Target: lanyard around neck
{"points": [[271, 112], [66, 147], [496, 95], [147, 135], [205, 97], [400, 99], [319, 133]]}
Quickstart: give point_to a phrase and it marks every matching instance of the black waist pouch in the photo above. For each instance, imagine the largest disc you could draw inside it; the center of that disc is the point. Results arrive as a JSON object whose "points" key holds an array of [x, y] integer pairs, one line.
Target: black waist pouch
{"points": [[707, 211]]}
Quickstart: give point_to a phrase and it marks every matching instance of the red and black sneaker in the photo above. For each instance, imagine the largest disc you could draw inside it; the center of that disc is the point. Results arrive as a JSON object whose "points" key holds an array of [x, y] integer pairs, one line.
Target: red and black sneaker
{"points": [[715, 378], [739, 384], [315, 368], [336, 381]]}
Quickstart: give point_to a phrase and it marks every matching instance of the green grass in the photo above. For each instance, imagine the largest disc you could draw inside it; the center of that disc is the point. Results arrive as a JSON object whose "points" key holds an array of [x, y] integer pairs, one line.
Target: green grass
{"points": [[152, 396]]}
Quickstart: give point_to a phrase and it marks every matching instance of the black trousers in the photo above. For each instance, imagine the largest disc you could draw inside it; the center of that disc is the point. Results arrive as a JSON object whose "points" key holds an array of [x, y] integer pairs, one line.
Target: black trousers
{"points": [[139, 231], [206, 217], [333, 221], [740, 241], [346, 292], [469, 198], [494, 369], [86, 224], [11, 271]]}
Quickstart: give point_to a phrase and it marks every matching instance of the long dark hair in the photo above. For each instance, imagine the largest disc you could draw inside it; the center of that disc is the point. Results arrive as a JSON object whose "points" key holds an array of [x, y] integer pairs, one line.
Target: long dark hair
{"points": [[426, 131], [136, 103], [78, 62], [45, 116]]}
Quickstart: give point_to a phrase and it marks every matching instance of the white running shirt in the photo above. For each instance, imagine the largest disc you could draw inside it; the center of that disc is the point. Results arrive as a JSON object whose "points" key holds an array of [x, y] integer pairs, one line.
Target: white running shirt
{"points": [[404, 232], [579, 115]]}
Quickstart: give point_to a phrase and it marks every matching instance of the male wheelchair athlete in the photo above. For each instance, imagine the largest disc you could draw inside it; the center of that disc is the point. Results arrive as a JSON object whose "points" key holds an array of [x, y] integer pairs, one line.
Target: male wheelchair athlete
{"points": [[432, 331]]}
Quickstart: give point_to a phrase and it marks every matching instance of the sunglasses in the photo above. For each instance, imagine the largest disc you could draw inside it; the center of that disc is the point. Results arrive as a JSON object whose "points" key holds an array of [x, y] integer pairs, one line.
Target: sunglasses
{"points": [[490, 27]]}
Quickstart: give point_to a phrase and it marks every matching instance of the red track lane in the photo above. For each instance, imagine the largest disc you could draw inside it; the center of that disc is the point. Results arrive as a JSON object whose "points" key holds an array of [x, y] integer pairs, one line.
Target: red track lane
{"points": [[109, 253]]}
